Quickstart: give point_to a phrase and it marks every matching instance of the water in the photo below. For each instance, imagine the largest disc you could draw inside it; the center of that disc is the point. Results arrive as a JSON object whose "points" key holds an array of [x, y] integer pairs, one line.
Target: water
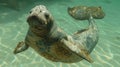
{"points": [[13, 28]]}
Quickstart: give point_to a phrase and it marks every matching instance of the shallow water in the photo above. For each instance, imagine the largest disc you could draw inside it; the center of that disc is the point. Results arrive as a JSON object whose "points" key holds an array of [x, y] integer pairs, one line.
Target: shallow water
{"points": [[13, 28]]}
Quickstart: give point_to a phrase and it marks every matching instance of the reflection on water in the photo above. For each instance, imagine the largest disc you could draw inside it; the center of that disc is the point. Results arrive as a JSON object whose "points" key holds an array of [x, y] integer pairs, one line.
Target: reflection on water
{"points": [[13, 28]]}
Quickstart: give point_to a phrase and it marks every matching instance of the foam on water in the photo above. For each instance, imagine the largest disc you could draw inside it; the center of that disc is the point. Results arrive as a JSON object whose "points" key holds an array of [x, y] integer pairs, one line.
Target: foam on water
{"points": [[13, 28]]}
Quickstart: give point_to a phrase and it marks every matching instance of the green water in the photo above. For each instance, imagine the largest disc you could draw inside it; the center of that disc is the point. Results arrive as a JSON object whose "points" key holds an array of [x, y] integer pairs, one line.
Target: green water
{"points": [[13, 28]]}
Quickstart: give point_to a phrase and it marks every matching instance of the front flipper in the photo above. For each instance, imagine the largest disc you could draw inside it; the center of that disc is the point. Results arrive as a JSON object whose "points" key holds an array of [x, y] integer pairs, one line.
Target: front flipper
{"points": [[21, 46], [77, 48]]}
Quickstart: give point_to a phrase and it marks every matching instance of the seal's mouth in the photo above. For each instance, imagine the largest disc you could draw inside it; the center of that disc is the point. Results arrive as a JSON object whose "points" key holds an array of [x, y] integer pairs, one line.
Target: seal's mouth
{"points": [[37, 22]]}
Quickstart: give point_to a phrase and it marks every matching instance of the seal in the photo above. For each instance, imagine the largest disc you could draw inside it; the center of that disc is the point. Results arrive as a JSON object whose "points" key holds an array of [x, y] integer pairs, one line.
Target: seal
{"points": [[51, 42], [82, 12]]}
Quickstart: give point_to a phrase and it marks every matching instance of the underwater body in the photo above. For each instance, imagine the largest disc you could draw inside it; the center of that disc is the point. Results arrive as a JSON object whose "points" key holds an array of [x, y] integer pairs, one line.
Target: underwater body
{"points": [[13, 28]]}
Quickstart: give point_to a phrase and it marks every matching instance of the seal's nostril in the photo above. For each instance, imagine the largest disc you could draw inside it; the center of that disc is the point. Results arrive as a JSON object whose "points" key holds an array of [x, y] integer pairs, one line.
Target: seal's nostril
{"points": [[46, 15]]}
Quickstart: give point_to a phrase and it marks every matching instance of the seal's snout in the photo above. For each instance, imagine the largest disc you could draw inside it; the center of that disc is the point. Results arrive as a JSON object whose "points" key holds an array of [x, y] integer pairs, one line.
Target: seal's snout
{"points": [[40, 17]]}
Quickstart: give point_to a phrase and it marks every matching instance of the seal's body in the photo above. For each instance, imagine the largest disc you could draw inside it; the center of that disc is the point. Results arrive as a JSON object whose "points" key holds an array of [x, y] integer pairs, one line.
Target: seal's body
{"points": [[47, 39]]}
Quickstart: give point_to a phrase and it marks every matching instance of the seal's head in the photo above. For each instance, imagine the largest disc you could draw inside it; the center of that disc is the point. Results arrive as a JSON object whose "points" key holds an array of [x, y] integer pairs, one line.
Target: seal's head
{"points": [[40, 20]]}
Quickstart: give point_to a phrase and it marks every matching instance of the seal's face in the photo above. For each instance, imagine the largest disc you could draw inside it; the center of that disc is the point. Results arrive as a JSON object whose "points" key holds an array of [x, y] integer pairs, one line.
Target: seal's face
{"points": [[39, 20]]}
